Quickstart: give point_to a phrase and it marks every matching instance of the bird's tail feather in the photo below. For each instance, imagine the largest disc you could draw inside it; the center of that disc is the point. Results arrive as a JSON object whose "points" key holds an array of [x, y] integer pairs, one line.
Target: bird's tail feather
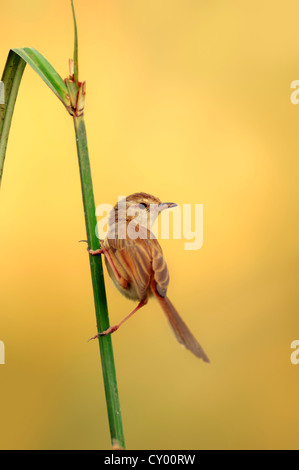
{"points": [[181, 330]]}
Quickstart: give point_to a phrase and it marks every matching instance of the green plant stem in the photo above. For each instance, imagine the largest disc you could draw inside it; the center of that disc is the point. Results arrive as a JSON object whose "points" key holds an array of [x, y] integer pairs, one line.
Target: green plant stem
{"points": [[109, 374]]}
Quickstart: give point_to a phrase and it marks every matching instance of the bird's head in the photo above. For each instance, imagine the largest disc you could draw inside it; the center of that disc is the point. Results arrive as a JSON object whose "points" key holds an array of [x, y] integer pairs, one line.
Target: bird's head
{"points": [[142, 207]]}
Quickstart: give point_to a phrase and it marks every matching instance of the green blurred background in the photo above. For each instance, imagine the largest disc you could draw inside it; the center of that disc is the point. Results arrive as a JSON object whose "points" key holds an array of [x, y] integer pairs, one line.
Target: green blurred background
{"points": [[188, 100]]}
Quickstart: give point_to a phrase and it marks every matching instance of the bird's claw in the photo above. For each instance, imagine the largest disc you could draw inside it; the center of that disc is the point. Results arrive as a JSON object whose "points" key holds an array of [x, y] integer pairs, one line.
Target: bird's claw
{"points": [[109, 330]]}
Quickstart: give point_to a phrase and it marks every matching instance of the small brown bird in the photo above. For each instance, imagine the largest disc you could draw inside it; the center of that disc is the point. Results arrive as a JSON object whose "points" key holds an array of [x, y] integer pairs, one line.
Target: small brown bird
{"points": [[136, 264]]}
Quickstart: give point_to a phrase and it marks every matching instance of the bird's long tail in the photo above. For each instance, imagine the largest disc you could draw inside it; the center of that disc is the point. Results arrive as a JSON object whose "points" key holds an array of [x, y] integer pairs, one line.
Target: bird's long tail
{"points": [[181, 330]]}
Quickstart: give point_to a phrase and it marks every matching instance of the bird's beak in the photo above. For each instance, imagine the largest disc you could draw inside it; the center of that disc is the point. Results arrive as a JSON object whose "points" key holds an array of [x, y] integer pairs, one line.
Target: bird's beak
{"points": [[166, 205]]}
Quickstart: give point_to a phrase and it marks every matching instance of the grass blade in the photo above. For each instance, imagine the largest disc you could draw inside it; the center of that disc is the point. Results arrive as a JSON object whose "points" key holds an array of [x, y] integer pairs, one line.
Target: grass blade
{"points": [[45, 70], [12, 75], [76, 72], [11, 78]]}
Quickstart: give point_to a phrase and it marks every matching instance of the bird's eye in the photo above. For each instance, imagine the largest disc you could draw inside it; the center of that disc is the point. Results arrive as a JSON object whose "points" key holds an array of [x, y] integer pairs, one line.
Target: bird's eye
{"points": [[142, 205]]}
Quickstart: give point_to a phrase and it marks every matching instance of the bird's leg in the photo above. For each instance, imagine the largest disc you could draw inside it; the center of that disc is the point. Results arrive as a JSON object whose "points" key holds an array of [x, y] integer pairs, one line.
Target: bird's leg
{"points": [[111, 329]]}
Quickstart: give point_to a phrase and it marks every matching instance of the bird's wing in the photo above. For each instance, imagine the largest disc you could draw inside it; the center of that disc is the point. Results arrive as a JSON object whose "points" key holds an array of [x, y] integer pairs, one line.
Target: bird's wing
{"points": [[143, 260], [160, 270], [134, 256]]}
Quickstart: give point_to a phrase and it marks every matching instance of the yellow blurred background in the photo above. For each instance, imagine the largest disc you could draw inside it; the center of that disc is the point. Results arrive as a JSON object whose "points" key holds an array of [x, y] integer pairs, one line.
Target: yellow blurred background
{"points": [[188, 100]]}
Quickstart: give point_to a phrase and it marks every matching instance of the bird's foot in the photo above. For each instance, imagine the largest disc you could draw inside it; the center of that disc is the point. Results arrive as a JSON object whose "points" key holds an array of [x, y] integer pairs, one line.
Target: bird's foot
{"points": [[93, 252], [109, 330]]}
